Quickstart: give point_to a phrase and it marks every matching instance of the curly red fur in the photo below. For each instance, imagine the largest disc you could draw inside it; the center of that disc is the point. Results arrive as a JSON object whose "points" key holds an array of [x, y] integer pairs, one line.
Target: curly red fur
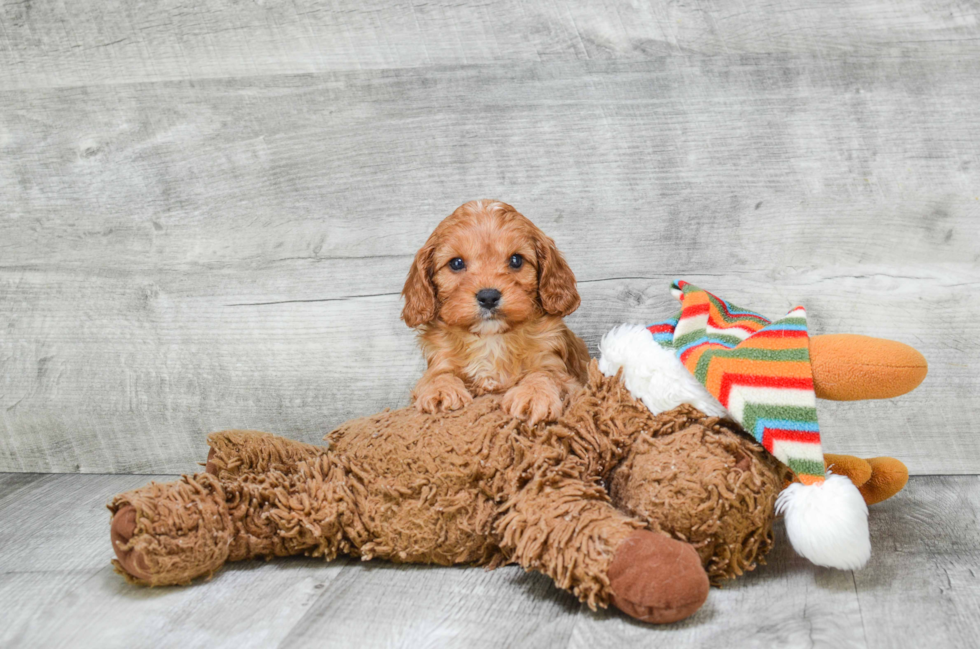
{"points": [[520, 347]]}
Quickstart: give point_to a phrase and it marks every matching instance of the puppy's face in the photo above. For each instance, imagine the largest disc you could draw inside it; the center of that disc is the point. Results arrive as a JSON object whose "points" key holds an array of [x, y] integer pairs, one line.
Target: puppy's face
{"points": [[486, 268], [485, 272]]}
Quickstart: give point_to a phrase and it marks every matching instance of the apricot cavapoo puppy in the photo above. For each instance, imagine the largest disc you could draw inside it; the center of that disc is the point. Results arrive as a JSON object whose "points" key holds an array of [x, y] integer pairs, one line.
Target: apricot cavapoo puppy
{"points": [[487, 293]]}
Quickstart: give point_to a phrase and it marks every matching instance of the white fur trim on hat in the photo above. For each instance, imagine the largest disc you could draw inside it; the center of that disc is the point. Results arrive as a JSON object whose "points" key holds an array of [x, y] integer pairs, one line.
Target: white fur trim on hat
{"points": [[827, 522], [653, 374]]}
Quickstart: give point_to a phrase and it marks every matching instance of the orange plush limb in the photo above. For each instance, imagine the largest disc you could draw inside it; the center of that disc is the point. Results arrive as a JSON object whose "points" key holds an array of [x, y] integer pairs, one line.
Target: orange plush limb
{"points": [[858, 470], [888, 477], [878, 478], [848, 367]]}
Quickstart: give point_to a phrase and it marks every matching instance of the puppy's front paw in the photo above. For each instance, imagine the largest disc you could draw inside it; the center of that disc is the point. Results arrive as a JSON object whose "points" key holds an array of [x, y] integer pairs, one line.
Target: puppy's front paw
{"points": [[443, 392], [534, 399]]}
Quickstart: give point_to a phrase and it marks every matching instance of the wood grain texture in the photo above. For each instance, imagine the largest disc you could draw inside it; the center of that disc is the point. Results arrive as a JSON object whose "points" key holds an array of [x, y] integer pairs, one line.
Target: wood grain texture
{"points": [[156, 294], [90, 42], [934, 525], [183, 257], [920, 589]]}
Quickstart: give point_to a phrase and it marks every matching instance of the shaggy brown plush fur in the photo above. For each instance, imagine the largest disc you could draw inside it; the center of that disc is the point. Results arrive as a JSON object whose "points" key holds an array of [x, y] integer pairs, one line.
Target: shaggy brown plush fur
{"points": [[698, 480], [476, 486]]}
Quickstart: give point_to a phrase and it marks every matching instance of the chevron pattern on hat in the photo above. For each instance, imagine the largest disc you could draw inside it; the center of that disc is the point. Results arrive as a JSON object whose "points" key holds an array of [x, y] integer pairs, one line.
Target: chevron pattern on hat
{"points": [[758, 370]]}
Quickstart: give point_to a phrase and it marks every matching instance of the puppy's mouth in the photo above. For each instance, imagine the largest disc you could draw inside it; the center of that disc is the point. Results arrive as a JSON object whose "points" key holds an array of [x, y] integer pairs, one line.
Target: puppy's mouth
{"points": [[490, 322]]}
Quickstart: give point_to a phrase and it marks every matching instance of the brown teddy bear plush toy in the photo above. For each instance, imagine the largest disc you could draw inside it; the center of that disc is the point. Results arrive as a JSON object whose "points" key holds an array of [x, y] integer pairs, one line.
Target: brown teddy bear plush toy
{"points": [[616, 501]]}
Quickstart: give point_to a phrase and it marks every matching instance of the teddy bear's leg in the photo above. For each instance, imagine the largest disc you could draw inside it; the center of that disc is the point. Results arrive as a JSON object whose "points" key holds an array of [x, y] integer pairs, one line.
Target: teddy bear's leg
{"points": [[705, 484], [172, 533], [287, 496], [567, 530], [233, 453]]}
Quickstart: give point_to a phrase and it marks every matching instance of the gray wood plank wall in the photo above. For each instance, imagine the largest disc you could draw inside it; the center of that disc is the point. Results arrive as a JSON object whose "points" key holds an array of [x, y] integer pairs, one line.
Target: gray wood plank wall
{"points": [[207, 210]]}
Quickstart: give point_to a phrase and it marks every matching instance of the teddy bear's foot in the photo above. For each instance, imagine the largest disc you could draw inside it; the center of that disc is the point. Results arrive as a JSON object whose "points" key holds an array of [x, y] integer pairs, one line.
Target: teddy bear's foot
{"points": [[170, 533], [657, 579]]}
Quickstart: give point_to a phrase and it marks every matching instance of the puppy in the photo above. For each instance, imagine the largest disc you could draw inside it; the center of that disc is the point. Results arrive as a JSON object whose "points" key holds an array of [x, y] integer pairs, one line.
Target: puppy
{"points": [[487, 293]]}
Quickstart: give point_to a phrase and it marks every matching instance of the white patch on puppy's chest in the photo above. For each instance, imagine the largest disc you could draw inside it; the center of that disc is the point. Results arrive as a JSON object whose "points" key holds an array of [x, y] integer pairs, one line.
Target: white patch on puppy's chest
{"points": [[489, 367]]}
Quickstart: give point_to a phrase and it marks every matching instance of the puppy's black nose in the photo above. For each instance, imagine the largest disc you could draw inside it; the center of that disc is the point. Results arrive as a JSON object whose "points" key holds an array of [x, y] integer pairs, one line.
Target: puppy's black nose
{"points": [[488, 298]]}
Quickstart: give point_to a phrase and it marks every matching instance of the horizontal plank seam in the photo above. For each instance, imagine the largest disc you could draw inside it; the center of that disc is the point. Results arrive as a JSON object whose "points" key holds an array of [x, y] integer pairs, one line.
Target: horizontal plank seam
{"points": [[745, 57], [325, 299], [75, 571], [394, 294]]}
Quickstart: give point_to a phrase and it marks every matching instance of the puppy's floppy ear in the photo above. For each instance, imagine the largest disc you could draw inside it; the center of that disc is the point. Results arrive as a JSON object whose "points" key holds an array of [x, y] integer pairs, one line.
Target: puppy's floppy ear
{"points": [[556, 281], [419, 291]]}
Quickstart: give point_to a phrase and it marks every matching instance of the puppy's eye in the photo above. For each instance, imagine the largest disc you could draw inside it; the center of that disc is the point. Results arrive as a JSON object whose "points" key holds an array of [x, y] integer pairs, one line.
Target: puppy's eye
{"points": [[457, 263], [516, 261]]}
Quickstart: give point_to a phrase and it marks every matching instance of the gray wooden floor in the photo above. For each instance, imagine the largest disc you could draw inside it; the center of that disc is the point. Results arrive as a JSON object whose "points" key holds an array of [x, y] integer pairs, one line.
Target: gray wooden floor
{"points": [[921, 589]]}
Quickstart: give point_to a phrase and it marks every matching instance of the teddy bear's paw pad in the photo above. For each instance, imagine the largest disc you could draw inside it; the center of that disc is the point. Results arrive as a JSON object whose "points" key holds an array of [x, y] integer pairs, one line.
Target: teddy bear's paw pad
{"points": [[657, 579], [130, 560]]}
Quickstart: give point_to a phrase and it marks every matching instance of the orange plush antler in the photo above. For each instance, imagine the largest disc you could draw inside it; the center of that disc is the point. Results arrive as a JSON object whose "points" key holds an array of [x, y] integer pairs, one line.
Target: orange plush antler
{"points": [[848, 367]]}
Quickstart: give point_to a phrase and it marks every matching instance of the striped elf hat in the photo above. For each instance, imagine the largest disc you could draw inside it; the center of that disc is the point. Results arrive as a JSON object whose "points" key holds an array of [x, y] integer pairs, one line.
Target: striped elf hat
{"points": [[759, 370], [738, 364]]}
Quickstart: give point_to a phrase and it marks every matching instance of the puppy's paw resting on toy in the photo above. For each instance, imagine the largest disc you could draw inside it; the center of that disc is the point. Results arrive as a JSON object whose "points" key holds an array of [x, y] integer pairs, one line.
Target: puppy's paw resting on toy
{"points": [[441, 393], [535, 399]]}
